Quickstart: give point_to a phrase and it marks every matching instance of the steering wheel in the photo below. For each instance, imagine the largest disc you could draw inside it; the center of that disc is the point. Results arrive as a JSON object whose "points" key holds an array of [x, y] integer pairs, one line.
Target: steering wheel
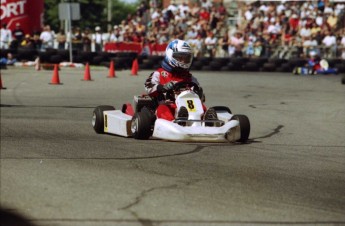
{"points": [[180, 86], [186, 85]]}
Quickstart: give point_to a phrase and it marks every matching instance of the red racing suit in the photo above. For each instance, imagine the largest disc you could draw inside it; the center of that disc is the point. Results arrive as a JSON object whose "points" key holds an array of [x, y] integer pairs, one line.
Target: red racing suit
{"points": [[154, 87]]}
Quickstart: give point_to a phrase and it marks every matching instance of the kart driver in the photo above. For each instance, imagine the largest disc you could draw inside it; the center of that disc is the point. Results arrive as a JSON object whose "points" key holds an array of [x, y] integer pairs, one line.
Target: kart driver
{"points": [[175, 68]]}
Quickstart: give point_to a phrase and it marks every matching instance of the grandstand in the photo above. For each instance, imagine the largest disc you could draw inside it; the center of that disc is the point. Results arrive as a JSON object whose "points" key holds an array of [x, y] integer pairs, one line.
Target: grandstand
{"points": [[243, 35]]}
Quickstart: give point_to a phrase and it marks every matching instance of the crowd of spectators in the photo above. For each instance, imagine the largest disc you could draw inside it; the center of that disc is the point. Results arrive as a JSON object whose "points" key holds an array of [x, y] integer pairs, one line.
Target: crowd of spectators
{"points": [[259, 30]]}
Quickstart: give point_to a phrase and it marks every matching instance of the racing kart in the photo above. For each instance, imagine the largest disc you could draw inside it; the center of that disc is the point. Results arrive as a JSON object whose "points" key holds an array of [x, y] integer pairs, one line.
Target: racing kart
{"points": [[140, 122], [308, 70]]}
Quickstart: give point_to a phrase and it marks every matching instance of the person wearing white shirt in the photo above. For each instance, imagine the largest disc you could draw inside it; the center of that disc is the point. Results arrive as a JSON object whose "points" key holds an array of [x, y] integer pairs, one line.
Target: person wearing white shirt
{"points": [[5, 37], [184, 9], [191, 33], [309, 45], [263, 7], [47, 38], [116, 35], [206, 4], [173, 8], [211, 44], [329, 42], [280, 8], [305, 32], [248, 14], [97, 39]]}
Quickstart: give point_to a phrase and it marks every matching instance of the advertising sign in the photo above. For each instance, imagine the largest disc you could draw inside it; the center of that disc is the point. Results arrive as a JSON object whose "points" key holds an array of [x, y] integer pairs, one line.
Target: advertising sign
{"points": [[27, 13]]}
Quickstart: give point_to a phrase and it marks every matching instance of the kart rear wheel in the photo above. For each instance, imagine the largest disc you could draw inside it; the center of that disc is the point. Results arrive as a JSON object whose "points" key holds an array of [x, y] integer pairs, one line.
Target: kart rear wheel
{"points": [[244, 126], [141, 124], [98, 117]]}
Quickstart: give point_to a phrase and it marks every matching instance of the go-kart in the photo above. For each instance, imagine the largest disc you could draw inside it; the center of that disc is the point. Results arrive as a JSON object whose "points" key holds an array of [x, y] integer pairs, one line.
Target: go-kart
{"points": [[139, 121], [308, 70]]}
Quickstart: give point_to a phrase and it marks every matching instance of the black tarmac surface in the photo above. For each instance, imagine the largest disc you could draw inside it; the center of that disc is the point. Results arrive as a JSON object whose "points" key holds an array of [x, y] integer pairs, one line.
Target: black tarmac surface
{"points": [[55, 170]]}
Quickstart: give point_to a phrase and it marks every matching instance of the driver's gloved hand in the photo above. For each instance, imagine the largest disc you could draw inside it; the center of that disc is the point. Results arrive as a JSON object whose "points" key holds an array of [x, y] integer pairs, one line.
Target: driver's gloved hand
{"points": [[166, 87]]}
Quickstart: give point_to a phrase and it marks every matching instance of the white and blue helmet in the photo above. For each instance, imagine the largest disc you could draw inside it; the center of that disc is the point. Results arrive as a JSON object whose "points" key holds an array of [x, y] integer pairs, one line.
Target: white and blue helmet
{"points": [[178, 55]]}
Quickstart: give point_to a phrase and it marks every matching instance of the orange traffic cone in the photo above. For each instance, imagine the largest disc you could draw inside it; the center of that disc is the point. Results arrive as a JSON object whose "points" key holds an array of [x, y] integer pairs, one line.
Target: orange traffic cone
{"points": [[55, 78], [37, 64], [87, 75], [135, 67], [112, 73], [1, 87]]}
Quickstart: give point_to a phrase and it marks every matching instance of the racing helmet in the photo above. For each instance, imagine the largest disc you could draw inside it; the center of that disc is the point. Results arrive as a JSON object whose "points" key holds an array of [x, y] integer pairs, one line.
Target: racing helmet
{"points": [[179, 55]]}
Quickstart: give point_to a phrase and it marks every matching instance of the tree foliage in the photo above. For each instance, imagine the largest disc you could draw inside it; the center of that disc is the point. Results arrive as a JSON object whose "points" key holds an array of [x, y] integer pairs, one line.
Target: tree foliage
{"points": [[92, 12]]}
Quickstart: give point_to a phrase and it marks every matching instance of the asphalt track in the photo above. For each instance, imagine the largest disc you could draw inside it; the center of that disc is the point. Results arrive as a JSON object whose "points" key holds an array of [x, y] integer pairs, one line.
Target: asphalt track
{"points": [[55, 170]]}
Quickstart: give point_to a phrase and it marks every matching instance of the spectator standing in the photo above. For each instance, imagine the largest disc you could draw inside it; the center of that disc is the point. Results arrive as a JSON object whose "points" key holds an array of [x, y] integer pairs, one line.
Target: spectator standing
{"points": [[106, 37], [224, 45], [236, 45], [191, 33], [116, 36], [329, 43], [204, 16], [315, 28], [332, 21], [309, 45], [61, 39], [78, 39], [5, 37], [305, 32], [222, 10], [47, 38], [87, 40], [18, 33], [184, 9], [215, 18], [211, 44], [97, 39], [248, 15], [258, 48], [206, 4], [294, 22], [319, 19]]}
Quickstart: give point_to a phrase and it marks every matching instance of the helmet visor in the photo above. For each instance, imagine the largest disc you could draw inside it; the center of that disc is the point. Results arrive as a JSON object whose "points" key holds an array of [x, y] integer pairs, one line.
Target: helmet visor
{"points": [[185, 58]]}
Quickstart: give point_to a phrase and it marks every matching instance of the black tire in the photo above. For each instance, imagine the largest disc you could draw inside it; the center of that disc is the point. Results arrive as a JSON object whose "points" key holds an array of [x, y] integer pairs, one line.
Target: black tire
{"points": [[97, 60], [222, 108], [206, 68], [343, 80], [55, 59], [244, 126], [98, 118], [142, 123]]}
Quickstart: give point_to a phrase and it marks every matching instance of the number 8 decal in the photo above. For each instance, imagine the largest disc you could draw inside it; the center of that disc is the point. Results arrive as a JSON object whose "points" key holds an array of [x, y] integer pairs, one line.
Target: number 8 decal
{"points": [[190, 105]]}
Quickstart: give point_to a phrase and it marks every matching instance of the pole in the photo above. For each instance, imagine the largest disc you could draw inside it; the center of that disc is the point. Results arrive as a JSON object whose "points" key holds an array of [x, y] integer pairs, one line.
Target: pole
{"points": [[109, 14], [70, 32]]}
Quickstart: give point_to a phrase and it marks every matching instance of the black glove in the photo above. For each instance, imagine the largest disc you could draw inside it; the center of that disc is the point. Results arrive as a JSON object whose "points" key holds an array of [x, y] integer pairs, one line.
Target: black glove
{"points": [[166, 87]]}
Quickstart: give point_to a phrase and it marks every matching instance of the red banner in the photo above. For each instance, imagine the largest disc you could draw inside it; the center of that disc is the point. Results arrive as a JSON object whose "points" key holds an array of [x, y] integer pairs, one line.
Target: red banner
{"points": [[28, 13], [154, 49]]}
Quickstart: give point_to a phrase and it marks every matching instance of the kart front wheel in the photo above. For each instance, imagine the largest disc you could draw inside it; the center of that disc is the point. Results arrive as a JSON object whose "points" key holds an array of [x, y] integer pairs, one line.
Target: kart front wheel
{"points": [[98, 117], [141, 125], [244, 127]]}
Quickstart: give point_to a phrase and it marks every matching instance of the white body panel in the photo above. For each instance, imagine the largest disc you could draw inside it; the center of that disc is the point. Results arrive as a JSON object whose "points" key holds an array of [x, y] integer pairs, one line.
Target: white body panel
{"points": [[168, 130], [116, 122], [192, 102]]}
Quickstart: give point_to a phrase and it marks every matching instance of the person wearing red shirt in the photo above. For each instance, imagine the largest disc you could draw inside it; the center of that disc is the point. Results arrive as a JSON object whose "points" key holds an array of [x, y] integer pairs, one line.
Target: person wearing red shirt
{"points": [[175, 68], [294, 22], [204, 15]]}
